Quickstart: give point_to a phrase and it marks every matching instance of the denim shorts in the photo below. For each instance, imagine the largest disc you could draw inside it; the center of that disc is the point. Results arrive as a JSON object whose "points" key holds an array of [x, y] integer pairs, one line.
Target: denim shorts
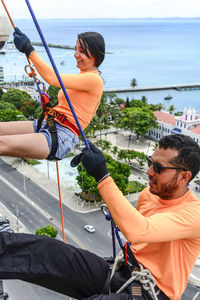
{"points": [[66, 139]]}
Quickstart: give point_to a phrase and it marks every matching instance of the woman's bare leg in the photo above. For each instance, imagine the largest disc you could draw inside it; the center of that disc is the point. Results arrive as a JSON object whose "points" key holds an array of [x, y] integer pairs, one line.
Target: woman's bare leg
{"points": [[32, 145], [16, 127]]}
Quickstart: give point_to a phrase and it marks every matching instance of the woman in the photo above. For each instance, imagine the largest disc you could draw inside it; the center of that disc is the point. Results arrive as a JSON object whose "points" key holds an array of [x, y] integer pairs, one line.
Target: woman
{"points": [[21, 139]]}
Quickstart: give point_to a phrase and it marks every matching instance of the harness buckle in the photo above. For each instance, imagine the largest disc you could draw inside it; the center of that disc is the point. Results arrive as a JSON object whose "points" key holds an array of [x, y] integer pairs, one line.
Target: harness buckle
{"points": [[51, 124]]}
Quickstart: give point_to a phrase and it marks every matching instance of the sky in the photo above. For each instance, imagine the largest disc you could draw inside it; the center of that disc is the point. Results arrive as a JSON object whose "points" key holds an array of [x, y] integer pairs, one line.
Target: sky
{"points": [[102, 8]]}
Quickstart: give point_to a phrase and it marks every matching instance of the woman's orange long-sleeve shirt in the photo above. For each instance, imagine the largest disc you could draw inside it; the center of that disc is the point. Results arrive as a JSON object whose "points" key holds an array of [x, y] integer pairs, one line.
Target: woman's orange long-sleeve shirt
{"points": [[84, 91], [165, 234]]}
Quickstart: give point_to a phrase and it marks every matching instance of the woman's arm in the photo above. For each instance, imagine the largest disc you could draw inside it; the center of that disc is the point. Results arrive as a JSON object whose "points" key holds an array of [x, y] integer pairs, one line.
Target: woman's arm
{"points": [[88, 81]]}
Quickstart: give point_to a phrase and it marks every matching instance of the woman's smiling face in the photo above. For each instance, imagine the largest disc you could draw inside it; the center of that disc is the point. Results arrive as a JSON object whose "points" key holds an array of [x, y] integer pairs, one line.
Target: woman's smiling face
{"points": [[84, 63]]}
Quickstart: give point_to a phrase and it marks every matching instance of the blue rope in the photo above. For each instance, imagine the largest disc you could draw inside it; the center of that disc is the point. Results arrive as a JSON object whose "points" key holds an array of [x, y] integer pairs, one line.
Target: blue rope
{"points": [[113, 239], [115, 231], [57, 73]]}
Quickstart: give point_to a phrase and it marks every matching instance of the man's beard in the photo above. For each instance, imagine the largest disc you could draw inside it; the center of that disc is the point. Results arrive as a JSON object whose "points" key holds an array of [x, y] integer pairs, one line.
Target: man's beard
{"points": [[167, 190]]}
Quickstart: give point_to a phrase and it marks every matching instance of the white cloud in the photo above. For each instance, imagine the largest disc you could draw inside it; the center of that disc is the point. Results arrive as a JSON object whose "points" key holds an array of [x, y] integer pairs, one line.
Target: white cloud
{"points": [[103, 8]]}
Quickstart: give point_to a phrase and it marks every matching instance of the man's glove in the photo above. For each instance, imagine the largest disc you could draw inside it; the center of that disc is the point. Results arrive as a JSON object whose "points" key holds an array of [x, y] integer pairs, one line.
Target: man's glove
{"points": [[94, 162], [22, 42]]}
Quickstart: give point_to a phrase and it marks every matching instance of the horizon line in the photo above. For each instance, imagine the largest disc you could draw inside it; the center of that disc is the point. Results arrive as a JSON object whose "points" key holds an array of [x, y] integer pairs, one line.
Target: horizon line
{"points": [[113, 18]]}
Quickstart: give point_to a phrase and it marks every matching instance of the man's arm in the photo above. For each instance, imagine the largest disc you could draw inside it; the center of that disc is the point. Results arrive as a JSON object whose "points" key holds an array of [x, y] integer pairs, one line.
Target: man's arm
{"points": [[160, 227]]}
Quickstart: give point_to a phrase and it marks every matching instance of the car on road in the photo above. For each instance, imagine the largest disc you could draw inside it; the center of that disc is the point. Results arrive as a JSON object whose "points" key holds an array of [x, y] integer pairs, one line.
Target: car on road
{"points": [[89, 228]]}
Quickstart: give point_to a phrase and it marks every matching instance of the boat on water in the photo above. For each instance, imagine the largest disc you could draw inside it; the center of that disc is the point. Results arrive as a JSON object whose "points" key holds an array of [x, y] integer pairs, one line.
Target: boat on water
{"points": [[62, 62], [168, 97]]}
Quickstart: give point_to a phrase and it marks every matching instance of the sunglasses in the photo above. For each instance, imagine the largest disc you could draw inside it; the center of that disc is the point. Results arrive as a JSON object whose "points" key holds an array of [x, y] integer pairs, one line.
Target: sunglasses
{"points": [[158, 168]]}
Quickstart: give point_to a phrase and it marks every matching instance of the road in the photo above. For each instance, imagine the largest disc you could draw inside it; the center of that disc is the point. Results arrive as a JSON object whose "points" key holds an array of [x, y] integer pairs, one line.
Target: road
{"points": [[36, 208]]}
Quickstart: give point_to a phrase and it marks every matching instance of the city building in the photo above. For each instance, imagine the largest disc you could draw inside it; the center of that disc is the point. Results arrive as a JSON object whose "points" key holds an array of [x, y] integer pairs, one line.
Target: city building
{"points": [[188, 124]]}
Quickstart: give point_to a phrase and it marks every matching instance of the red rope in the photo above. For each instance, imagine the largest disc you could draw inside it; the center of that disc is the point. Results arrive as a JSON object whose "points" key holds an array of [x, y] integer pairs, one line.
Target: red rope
{"points": [[61, 211], [11, 21]]}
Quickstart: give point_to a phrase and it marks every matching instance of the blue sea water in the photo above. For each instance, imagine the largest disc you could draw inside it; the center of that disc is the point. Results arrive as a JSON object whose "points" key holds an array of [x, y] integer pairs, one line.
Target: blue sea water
{"points": [[154, 51]]}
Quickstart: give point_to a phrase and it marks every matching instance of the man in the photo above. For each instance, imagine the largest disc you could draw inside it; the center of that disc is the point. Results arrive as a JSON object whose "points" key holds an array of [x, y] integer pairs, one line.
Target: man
{"points": [[164, 232]]}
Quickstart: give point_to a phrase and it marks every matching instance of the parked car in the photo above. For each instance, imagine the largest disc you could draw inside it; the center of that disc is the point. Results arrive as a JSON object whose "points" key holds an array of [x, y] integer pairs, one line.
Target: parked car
{"points": [[89, 228]]}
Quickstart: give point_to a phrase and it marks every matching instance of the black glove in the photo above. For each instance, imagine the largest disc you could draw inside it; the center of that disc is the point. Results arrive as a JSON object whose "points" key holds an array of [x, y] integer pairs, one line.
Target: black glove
{"points": [[22, 42], [94, 162]]}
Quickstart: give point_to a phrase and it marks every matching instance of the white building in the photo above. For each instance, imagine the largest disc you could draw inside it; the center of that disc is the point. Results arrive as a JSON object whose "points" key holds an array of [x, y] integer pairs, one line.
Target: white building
{"points": [[188, 124]]}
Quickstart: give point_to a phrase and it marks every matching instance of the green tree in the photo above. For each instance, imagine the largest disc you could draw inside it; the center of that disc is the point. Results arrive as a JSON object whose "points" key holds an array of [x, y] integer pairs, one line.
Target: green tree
{"points": [[140, 157], [7, 105], [117, 101], [122, 154], [105, 145], [130, 155], [1, 92], [178, 113], [103, 112], [133, 82], [16, 97], [29, 108], [155, 107], [48, 230], [155, 146], [127, 102], [171, 109], [11, 115], [53, 95], [119, 172], [115, 150], [92, 127], [138, 120], [144, 99], [38, 112], [137, 103]]}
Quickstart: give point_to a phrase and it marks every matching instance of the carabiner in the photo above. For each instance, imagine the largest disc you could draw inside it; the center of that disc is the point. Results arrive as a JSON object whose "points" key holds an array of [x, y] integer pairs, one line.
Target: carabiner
{"points": [[32, 72]]}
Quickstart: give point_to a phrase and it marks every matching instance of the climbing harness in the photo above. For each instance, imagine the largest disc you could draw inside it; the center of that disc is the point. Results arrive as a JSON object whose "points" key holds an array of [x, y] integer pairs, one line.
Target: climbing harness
{"points": [[45, 104], [126, 258], [141, 275]]}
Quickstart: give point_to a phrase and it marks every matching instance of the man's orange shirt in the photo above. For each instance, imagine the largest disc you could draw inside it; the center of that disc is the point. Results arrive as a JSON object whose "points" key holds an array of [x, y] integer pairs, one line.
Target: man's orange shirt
{"points": [[84, 91], [165, 234]]}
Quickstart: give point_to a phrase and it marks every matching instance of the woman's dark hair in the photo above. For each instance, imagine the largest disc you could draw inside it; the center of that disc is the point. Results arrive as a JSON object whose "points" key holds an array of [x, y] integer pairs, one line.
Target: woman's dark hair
{"points": [[188, 152], [94, 42]]}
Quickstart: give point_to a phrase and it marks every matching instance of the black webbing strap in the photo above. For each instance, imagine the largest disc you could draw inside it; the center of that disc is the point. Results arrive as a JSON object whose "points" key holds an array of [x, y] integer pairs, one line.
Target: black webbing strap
{"points": [[54, 138], [53, 131]]}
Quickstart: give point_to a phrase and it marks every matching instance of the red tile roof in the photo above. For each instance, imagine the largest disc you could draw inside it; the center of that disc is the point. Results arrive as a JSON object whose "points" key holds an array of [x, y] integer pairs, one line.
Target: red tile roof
{"points": [[195, 129], [165, 117]]}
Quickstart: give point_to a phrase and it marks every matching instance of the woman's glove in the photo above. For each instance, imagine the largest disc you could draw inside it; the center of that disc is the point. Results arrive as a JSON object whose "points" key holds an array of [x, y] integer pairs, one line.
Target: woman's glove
{"points": [[22, 42], [94, 162]]}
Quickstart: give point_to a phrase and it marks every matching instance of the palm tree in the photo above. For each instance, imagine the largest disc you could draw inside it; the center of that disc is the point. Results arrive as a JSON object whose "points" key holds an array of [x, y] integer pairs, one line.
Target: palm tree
{"points": [[133, 83], [171, 109], [144, 99]]}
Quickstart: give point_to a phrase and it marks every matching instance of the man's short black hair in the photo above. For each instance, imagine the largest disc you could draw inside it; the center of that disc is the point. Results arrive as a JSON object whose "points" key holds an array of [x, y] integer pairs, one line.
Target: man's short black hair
{"points": [[189, 152]]}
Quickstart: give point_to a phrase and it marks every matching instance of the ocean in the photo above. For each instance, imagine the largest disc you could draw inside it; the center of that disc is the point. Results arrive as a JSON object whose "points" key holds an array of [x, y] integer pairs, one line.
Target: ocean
{"points": [[153, 51]]}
